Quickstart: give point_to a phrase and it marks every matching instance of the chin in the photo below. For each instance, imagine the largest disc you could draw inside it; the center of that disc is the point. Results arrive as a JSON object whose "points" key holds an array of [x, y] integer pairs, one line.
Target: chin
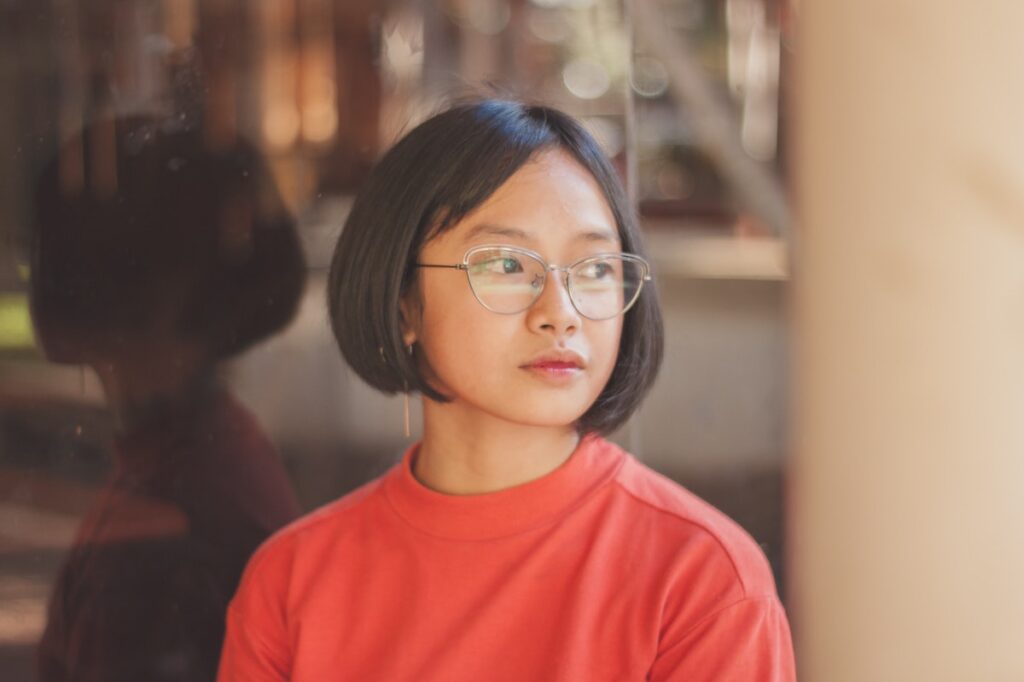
{"points": [[545, 417]]}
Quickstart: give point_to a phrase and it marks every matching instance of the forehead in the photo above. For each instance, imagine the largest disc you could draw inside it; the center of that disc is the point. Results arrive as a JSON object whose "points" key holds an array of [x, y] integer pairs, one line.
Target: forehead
{"points": [[549, 200]]}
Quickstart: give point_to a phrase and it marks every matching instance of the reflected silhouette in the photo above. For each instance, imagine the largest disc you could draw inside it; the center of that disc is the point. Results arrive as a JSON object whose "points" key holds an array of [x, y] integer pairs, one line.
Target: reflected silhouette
{"points": [[154, 258]]}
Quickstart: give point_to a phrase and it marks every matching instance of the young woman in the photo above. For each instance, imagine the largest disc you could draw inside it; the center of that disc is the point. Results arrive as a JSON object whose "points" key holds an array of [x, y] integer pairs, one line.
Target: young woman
{"points": [[492, 264]]}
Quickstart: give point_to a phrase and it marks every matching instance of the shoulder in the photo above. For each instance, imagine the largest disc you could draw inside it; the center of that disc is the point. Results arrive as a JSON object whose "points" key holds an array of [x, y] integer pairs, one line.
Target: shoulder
{"points": [[720, 614], [704, 538]]}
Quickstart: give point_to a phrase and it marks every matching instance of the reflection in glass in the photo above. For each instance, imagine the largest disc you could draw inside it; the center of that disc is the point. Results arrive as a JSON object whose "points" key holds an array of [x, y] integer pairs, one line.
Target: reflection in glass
{"points": [[154, 258]]}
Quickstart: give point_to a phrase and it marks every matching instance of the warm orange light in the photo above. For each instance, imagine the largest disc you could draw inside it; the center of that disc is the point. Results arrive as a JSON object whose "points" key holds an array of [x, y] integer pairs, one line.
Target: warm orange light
{"points": [[281, 123], [319, 121]]}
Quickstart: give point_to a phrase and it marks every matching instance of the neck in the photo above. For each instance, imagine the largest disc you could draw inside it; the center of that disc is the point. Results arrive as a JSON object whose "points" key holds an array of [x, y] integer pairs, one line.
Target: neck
{"points": [[469, 455], [138, 398]]}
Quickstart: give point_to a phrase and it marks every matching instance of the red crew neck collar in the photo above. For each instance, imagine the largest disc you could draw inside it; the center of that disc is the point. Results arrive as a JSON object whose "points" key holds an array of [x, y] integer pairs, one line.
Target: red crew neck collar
{"points": [[592, 464]]}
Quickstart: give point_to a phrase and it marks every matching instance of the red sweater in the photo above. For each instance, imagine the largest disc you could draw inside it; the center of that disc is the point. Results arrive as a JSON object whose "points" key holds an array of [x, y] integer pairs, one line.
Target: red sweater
{"points": [[601, 570]]}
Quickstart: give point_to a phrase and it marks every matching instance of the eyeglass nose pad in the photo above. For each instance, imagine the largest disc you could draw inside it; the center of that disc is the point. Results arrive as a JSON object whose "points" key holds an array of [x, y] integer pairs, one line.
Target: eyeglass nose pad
{"points": [[564, 279]]}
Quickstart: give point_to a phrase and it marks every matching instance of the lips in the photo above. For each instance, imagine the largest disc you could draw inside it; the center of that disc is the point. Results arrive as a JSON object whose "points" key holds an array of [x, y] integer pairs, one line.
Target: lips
{"points": [[555, 365], [559, 360]]}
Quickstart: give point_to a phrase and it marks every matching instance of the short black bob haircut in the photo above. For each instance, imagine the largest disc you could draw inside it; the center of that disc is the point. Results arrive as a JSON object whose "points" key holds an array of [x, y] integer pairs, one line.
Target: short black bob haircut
{"points": [[173, 229], [432, 178]]}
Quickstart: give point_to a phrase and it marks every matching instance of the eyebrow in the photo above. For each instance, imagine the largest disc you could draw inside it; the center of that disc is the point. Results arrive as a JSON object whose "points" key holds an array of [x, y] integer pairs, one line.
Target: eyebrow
{"points": [[587, 235]]}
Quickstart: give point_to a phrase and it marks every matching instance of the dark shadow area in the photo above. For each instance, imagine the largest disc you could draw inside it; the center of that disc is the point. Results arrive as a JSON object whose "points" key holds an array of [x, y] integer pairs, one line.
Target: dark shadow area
{"points": [[154, 258]]}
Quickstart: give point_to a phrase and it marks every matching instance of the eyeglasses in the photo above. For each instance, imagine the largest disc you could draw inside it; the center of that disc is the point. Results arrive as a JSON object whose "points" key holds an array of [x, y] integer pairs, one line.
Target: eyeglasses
{"points": [[508, 280]]}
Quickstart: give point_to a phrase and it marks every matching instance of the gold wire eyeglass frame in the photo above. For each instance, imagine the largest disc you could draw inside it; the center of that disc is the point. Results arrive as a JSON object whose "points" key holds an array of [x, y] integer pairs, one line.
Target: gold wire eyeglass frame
{"points": [[645, 275]]}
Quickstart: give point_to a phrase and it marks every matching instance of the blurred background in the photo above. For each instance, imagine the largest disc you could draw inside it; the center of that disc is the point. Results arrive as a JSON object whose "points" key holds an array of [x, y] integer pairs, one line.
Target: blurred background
{"points": [[685, 95], [691, 99]]}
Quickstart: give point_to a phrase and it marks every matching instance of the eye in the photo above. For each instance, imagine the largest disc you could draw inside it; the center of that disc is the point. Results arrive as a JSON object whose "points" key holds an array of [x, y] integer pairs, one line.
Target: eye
{"points": [[597, 270], [504, 265], [499, 265], [510, 266]]}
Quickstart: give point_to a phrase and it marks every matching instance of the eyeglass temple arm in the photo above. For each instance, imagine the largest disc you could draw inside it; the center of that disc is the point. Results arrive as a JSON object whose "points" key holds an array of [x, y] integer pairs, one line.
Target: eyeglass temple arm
{"points": [[457, 266]]}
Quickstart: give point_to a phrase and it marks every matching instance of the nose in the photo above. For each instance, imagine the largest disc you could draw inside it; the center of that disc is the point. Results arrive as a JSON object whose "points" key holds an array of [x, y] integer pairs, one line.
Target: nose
{"points": [[553, 312]]}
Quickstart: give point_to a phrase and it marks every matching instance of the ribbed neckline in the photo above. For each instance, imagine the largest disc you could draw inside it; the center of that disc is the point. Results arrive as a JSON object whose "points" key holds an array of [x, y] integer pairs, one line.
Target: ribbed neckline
{"points": [[592, 464]]}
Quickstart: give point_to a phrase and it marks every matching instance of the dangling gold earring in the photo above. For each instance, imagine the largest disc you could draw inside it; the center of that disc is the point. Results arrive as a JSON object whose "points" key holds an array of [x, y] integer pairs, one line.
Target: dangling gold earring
{"points": [[405, 403], [405, 400]]}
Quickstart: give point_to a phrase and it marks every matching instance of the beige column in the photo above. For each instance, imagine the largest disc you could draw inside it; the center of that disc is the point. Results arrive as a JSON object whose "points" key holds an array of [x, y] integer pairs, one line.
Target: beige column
{"points": [[907, 481]]}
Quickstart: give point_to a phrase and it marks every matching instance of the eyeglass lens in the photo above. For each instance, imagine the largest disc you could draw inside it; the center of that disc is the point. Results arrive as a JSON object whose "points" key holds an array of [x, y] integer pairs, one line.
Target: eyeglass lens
{"points": [[507, 281]]}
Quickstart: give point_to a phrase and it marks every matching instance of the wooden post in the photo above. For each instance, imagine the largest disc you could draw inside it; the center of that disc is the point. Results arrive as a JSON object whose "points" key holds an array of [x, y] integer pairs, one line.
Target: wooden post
{"points": [[907, 485]]}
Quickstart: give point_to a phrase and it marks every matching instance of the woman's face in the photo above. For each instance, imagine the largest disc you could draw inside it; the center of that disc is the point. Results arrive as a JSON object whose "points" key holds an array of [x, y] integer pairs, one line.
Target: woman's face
{"points": [[543, 366]]}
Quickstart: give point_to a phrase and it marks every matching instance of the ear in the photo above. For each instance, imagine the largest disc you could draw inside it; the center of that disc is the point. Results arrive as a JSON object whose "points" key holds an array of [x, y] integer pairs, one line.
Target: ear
{"points": [[409, 314]]}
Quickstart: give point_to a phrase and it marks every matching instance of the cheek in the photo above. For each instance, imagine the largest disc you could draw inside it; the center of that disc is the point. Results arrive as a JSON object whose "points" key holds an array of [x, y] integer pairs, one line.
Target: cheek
{"points": [[466, 360], [605, 345], [458, 336]]}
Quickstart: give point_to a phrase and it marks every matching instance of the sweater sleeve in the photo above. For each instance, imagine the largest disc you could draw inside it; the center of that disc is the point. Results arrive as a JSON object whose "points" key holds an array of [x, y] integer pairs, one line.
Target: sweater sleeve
{"points": [[256, 642], [746, 641]]}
